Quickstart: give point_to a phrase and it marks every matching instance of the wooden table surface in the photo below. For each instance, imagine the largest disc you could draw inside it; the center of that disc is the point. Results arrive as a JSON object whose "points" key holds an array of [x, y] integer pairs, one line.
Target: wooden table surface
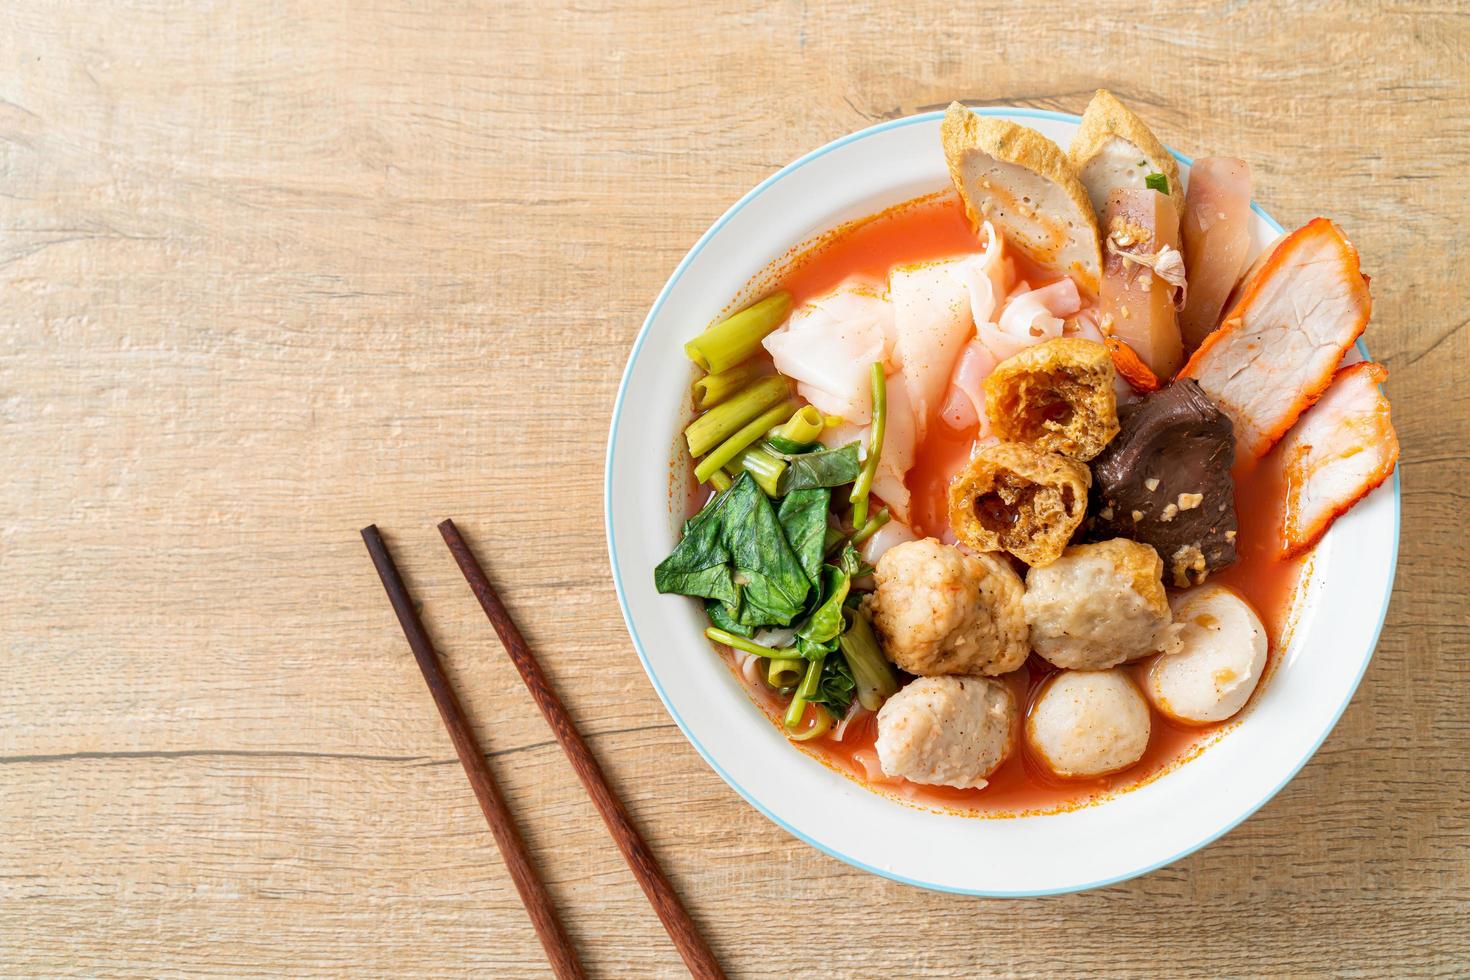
{"points": [[273, 271]]}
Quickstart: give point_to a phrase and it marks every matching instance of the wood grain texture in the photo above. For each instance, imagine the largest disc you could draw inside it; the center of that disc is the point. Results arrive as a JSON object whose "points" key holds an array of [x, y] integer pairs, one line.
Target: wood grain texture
{"points": [[271, 272], [561, 955], [698, 958]]}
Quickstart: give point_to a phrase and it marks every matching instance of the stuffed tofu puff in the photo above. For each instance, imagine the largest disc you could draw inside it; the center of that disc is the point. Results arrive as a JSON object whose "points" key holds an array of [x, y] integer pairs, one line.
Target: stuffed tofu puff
{"points": [[984, 508]]}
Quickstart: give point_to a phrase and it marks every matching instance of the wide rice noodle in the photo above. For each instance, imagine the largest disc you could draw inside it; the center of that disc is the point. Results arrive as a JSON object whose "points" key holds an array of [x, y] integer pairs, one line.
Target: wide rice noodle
{"points": [[828, 344]]}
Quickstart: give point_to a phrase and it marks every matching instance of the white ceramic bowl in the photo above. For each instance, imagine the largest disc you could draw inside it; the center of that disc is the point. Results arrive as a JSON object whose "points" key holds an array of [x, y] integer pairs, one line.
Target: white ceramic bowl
{"points": [[1339, 612]]}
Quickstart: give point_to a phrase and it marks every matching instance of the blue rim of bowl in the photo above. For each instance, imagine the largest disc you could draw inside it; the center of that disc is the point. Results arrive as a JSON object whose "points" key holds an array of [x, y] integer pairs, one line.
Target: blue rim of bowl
{"points": [[674, 713]]}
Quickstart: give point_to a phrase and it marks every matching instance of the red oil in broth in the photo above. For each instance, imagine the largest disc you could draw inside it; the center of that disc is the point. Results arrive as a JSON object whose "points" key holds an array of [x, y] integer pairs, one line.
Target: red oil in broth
{"points": [[936, 227]]}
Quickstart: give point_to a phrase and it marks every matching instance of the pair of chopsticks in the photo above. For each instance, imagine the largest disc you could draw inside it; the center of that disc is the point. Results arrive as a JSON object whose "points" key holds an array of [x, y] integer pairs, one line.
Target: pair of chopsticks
{"points": [[681, 929]]}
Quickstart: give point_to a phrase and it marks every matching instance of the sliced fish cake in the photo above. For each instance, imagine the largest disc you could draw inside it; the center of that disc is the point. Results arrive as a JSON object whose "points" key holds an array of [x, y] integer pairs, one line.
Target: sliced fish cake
{"points": [[1276, 350], [1022, 183], [1340, 451], [1113, 149]]}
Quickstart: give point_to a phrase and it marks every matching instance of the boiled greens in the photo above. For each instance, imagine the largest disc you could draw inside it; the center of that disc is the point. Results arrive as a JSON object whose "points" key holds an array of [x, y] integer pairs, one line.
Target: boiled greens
{"points": [[735, 551], [823, 468]]}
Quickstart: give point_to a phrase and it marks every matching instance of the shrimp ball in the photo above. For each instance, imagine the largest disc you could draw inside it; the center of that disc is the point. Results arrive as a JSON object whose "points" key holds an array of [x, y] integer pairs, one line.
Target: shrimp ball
{"points": [[938, 610], [947, 731], [1088, 723], [1100, 605], [1220, 660]]}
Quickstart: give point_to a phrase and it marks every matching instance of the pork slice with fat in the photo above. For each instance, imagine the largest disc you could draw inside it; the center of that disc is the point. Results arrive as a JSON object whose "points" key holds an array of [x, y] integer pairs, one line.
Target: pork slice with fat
{"points": [[1342, 449], [1276, 350]]}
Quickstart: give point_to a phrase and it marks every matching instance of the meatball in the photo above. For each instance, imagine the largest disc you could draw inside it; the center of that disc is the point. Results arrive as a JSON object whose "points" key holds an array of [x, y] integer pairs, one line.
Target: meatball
{"points": [[938, 610], [1088, 723], [1100, 605], [1221, 658], [947, 731]]}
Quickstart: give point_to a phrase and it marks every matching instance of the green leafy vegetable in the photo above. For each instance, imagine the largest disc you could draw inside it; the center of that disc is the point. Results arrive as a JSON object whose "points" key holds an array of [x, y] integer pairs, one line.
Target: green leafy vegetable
{"points": [[700, 564], [824, 468], [724, 621], [735, 551], [852, 563], [835, 687], [803, 517], [871, 673], [786, 447], [1157, 182], [818, 635]]}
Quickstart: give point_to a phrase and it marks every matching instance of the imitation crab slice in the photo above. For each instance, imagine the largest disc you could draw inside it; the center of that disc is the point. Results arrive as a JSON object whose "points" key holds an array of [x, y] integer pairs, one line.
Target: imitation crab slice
{"points": [[1142, 272], [1216, 228], [1276, 350], [1021, 182], [1342, 449], [1113, 149]]}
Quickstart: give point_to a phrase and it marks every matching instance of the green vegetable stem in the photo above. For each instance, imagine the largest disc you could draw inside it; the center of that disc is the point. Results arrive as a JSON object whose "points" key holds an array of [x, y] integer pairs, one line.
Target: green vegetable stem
{"points": [[765, 468], [804, 693], [731, 341], [742, 437], [820, 726], [1157, 182], [872, 673], [726, 418], [712, 389], [864, 484], [782, 673], [871, 527], [736, 642], [800, 431]]}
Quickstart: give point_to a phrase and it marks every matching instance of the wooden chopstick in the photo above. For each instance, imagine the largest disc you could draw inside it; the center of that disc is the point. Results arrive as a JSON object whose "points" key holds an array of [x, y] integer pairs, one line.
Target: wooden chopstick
{"points": [[512, 848], [691, 945]]}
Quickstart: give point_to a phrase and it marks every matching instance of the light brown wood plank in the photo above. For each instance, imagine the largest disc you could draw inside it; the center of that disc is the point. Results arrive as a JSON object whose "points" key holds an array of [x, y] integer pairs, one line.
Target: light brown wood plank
{"points": [[271, 272]]}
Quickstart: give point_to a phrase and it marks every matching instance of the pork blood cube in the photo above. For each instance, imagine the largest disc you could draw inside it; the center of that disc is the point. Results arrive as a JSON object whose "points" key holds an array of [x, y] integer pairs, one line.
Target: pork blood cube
{"points": [[1165, 481]]}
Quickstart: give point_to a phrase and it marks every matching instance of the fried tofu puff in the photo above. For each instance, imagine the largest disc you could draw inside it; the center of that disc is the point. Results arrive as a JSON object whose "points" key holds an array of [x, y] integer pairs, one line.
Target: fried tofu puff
{"points": [[1012, 498], [938, 610], [1100, 605], [1057, 396]]}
